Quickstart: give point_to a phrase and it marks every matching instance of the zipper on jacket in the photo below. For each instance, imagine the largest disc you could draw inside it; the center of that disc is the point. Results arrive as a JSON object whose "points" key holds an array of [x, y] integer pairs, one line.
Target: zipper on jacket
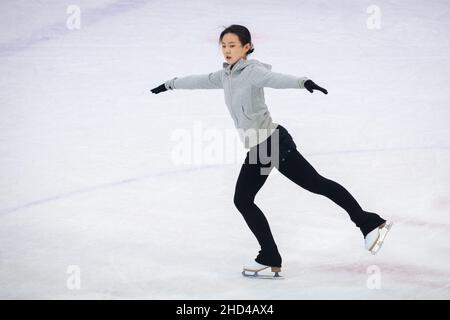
{"points": [[231, 96]]}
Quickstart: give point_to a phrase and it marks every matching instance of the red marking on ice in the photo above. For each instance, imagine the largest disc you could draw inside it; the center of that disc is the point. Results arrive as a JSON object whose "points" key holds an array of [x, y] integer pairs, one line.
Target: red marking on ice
{"points": [[419, 275]]}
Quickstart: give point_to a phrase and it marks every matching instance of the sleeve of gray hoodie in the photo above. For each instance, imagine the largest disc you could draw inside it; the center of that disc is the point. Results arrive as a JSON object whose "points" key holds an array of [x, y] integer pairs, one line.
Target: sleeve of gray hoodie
{"points": [[263, 77], [212, 80]]}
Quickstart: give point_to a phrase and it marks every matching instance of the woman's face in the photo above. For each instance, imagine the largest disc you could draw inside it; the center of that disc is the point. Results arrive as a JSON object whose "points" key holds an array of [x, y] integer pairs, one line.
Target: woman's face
{"points": [[232, 48]]}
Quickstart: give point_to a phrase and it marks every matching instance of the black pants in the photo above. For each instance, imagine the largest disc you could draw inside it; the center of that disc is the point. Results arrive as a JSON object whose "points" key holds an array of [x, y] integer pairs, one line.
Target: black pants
{"points": [[295, 167]]}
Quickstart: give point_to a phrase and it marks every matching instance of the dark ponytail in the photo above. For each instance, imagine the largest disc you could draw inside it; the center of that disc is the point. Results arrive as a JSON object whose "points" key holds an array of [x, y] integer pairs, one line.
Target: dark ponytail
{"points": [[242, 33]]}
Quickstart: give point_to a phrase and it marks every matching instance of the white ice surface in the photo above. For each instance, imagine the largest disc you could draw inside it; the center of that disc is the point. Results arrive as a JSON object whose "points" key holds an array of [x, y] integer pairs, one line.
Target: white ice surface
{"points": [[87, 177]]}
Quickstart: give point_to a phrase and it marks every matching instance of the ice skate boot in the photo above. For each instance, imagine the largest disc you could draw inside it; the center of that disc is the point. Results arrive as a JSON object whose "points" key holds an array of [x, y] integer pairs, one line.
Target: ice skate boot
{"points": [[375, 238]]}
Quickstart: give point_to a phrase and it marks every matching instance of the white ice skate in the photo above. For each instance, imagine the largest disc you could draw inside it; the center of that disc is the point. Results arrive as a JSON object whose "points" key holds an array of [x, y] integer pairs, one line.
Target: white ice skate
{"points": [[253, 268], [375, 238]]}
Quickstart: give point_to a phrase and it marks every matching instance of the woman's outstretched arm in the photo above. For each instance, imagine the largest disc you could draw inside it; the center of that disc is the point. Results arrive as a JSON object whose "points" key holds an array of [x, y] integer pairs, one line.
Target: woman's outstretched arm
{"points": [[263, 77], [212, 80]]}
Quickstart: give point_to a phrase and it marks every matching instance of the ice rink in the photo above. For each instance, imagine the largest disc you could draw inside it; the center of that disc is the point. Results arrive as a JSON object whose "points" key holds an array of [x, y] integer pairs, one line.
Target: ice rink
{"points": [[95, 205]]}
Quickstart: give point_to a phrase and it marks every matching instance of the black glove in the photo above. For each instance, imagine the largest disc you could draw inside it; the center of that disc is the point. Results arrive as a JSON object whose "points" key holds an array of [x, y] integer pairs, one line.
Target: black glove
{"points": [[159, 89], [310, 86]]}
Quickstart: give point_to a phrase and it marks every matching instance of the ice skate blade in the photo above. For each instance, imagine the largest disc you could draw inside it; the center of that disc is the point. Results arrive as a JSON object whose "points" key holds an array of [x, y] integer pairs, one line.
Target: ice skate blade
{"points": [[383, 232], [256, 275]]}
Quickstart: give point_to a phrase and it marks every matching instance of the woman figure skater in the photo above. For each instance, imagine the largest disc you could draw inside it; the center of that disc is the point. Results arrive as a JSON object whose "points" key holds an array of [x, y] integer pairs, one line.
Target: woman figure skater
{"points": [[270, 145]]}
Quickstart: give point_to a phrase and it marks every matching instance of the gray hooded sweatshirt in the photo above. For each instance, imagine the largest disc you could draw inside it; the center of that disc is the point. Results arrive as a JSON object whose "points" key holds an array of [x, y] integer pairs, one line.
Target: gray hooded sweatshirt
{"points": [[243, 84]]}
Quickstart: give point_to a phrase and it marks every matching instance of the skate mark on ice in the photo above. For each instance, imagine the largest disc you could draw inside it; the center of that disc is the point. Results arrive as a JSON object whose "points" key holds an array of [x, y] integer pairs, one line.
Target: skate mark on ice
{"points": [[424, 224], [411, 222], [178, 171], [59, 29], [102, 186], [337, 152]]}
